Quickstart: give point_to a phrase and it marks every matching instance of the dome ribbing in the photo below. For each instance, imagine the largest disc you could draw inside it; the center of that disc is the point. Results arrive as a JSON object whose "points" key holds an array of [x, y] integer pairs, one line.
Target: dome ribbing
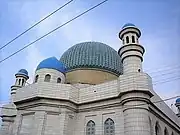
{"points": [[92, 55]]}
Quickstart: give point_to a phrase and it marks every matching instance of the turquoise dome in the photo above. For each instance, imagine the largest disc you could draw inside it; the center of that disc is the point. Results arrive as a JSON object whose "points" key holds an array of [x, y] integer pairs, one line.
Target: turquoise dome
{"points": [[128, 25], [92, 55], [22, 72], [178, 100], [52, 63]]}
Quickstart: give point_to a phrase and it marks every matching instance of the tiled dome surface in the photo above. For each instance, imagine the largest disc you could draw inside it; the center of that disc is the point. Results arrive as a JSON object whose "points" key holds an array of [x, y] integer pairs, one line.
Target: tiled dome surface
{"points": [[52, 63], [92, 55], [22, 72]]}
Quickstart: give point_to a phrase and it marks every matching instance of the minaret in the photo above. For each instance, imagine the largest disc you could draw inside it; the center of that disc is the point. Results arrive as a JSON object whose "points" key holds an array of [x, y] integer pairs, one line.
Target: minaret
{"points": [[131, 51], [137, 85], [178, 107], [9, 112], [21, 78]]}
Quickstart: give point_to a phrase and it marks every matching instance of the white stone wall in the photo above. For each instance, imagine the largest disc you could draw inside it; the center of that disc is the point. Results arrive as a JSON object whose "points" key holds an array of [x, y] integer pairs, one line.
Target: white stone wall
{"points": [[97, 92], [108, 96], [135, 81], [54, 75], [52, 124], [27, 124], [49, 90], [132, 64], [102, 91], [99, 117]]}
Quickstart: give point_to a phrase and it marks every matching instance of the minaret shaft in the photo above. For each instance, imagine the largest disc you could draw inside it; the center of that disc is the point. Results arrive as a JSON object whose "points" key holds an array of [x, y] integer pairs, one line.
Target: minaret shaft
{"points": [[136, 118], [131, 51]]}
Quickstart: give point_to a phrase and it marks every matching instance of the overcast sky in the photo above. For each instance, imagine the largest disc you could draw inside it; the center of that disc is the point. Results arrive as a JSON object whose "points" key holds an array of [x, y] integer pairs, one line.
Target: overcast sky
{"points": [[158, 20]]}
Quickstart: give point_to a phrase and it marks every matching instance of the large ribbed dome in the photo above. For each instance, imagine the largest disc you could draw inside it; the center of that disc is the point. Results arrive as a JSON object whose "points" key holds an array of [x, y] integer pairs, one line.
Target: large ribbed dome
{"points": [[93, 55]]}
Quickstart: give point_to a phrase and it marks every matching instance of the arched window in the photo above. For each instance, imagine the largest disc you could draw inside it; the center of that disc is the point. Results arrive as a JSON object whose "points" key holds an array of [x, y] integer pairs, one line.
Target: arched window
{"points": [[172, 133], [90, 128], [109, 128], [23, 82], [166, 131], [157, 129], [137, 40], [133, 39], [59, 80], [178, 109], [36, 78], [123, 41], [127, 39], [151, 127], [16, 81], [19, 81], [47, 78]]}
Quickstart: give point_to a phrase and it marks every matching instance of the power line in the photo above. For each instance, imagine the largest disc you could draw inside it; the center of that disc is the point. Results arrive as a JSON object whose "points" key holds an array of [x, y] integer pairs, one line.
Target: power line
{"points": [[177, 67], [165, 81], [53, 30], [165, 66], [164, 74], [35, 24]]}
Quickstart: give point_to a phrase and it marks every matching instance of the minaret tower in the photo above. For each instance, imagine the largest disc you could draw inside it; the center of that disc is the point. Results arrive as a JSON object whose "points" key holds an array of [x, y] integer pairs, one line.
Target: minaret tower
{"points": [[9, 112], [21, 78], [131, 51], [178, 107], [137, 85]]}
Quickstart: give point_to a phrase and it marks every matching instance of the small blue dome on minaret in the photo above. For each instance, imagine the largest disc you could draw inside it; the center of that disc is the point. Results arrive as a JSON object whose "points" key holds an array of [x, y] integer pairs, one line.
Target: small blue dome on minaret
{"points": [[178, 100], [128, 25], [22, 72]]}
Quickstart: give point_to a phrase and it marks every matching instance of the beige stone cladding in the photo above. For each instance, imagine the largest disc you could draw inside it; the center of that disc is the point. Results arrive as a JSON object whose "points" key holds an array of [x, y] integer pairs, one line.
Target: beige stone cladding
{"points": [[89, 76]]}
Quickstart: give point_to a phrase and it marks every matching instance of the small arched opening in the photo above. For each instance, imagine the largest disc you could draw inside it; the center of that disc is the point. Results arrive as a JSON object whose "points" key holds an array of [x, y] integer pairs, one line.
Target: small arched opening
{"points": [[23, 82], [36, 78], [90, 128], [133, 39], [19, 82], [59, 80], [158, 129], [109, 128], [166, 131], [47, 78], [127, 39]]}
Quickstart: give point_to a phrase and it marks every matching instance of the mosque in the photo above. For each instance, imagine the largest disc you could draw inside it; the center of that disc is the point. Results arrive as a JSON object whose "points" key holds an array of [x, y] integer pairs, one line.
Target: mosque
{"points": [[92, 90]]}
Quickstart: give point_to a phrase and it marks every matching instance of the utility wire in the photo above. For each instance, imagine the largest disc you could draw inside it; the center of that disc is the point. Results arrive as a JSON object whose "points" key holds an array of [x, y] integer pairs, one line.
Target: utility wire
{"points": [[177, 67], [53, 30], [35, 24], [165, 81], [166, 73], [164, 67]]}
